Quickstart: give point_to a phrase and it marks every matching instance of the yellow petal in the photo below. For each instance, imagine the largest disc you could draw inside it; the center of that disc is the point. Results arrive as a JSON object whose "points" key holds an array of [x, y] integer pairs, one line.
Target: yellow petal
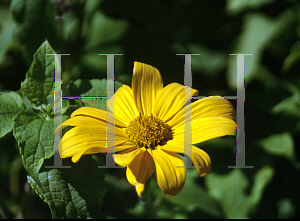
{"points": [[170, 179], [85, 139], [90, 147], [199, 157], [140, 188], [125, 158], [77, 135], [83, 120], [206, 107], [99, 114], [125, 146], [87, 125], [146, 84], [123, 104], [206, 128], [130, 177], [138, 171], [139, 167], [170, 100]]}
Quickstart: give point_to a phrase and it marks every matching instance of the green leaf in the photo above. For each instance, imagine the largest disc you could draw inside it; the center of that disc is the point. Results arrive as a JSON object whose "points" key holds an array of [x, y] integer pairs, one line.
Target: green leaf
{"points": [[103, 29], [35, 137], [293, 58], [6, 32], [192, 201], [258, 31], [286, 209], [96, 63], [74, 192], [194, 196], [237, 6], [35, 23], [291, 105], [95, 87], [280, 145], [65, 107], [71, 27], [39, 80], [75, 88], [10, 105], [261, 179], [230, 191], [209, 63], [17, 8]]}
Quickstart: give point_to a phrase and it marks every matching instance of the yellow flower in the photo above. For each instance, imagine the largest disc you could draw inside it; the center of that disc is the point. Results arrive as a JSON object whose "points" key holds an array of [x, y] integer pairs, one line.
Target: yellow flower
{"points": [[149, 129]]}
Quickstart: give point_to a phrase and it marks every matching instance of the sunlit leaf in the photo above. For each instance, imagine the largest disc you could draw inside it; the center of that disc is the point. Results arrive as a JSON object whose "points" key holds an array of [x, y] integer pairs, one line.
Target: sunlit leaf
{"points": [[38, 83], [280, 145], [74, 192], [35, 137]]}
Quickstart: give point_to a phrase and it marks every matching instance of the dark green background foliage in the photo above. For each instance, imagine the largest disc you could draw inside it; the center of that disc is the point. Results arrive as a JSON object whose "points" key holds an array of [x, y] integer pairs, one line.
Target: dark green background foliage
{"points": [[151, 32]]}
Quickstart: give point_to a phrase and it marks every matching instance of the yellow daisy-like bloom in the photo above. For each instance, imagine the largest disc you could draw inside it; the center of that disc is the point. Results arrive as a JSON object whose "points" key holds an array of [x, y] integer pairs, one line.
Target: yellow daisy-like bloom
{"points": [[149, 129]]}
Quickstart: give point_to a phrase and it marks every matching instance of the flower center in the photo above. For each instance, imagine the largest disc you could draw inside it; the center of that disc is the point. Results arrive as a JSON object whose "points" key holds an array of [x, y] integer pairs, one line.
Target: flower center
{"points": [[149, 132]]}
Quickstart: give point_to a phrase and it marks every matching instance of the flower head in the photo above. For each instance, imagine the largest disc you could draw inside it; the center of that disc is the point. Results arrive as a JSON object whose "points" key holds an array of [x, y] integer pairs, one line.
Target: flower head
{"points": [[149, 129]]}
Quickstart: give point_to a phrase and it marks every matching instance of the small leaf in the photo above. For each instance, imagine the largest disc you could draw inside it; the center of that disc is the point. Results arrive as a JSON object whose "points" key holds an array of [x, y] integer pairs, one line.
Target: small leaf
{"points": [[71, 27], [286, 209], [293, 58], [96, 88], [291, 105], [39, 80], [261, 179], [280, 145], [75, 88], [10, 105], [65, 107]]}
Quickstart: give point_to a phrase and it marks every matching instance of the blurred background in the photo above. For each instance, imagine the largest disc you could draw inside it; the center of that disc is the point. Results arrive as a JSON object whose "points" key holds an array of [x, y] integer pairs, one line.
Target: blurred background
{"points": [[153, 32]]}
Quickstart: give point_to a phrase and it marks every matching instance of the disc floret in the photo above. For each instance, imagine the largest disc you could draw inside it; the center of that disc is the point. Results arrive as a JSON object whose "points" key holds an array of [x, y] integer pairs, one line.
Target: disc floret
{"points": [[149, 132]]}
